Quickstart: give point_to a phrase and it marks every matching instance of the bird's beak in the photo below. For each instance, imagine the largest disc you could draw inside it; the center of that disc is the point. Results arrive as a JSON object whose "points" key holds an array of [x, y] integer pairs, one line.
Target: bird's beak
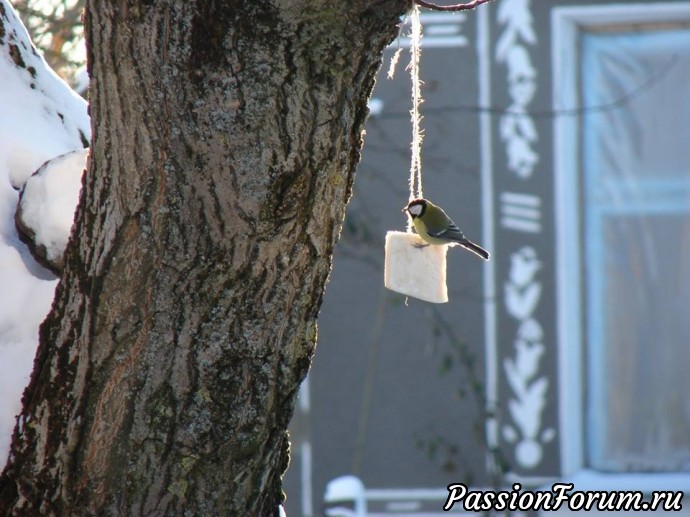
{"points": [[403, 209]]}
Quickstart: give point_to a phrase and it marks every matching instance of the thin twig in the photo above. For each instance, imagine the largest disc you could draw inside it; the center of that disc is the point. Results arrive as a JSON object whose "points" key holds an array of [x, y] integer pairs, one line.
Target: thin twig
{"points": [[456, 7]]}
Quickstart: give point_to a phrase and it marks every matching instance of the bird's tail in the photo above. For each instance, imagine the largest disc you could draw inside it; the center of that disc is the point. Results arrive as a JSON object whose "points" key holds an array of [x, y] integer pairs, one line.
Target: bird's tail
{"points": [[475, 248]]}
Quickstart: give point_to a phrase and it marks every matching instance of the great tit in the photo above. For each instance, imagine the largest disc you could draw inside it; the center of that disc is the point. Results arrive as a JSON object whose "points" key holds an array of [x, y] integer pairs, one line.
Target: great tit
{"points": [[435, 227]]}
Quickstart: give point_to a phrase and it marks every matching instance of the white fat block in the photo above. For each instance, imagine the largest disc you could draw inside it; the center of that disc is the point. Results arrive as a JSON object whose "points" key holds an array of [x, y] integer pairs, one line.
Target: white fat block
{"points": [[415, 271]]}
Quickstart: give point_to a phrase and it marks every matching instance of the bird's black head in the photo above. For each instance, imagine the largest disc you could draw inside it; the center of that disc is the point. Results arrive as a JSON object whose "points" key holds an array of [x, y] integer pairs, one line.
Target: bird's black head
{"points": [[416, 207]]}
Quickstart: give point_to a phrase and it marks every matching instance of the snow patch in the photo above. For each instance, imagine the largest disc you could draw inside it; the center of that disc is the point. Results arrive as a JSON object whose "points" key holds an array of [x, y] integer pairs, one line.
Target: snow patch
{"points": [[47, 204], [40, 118]]}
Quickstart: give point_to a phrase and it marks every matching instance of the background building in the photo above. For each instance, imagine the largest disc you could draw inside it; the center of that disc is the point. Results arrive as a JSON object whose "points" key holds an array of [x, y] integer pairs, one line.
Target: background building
{"points": [[557, 135]]}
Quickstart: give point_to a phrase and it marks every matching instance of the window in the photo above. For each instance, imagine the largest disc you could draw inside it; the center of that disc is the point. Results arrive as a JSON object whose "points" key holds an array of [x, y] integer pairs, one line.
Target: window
{"points": [[635, 184], [622, 172]]}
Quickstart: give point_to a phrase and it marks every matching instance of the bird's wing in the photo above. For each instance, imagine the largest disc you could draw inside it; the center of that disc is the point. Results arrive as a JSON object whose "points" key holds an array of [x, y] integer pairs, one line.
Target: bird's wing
{"points": [[451, 232]]}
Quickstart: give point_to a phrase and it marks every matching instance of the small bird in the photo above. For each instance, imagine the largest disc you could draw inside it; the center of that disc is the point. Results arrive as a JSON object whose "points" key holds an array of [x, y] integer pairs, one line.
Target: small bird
{"points": [[435, 227]]}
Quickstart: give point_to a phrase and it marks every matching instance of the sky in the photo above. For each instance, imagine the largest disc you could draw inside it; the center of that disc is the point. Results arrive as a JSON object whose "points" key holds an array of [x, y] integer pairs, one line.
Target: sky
{"points": [[41, 119]]}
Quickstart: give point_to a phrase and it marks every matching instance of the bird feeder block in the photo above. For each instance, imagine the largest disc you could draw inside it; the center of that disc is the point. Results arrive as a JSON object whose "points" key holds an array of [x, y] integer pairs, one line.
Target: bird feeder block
{"points": [[413, 270]]}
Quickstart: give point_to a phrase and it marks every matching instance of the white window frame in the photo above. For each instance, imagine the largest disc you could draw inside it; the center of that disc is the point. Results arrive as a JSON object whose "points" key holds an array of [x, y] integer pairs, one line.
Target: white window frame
{"points": [[566, 25]]}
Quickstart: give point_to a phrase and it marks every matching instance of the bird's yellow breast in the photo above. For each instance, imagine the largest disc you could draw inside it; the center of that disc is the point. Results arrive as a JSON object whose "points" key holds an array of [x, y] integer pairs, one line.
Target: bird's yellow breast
{"points": [[420, 227]]}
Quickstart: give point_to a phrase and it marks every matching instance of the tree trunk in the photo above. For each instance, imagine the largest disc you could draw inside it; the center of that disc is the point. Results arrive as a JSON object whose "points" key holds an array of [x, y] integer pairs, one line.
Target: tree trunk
{"points": [[225, 138]]}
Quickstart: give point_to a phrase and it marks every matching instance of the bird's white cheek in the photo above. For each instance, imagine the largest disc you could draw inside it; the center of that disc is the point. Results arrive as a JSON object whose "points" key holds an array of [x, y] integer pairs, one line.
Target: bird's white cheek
{"points": [[415, 210]]}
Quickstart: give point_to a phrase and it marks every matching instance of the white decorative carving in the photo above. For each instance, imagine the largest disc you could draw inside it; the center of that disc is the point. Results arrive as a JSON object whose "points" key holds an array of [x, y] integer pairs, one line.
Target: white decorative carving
{"points": [[522, 295], [516, 126], [442, 30], [521, 212]]}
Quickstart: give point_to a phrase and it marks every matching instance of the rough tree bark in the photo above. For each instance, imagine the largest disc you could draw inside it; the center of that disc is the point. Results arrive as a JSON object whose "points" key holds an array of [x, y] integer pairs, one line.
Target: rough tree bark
{"points": [[225, 139]]}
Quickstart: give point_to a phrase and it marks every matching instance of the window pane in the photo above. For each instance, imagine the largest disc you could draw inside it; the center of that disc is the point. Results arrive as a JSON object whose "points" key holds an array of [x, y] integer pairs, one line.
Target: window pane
{"points": [[644, 81], [643, 403]]}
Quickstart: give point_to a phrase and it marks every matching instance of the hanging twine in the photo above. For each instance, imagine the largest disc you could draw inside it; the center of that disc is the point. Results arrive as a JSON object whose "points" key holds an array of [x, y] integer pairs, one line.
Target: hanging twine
{"points": [[416, 117]]}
